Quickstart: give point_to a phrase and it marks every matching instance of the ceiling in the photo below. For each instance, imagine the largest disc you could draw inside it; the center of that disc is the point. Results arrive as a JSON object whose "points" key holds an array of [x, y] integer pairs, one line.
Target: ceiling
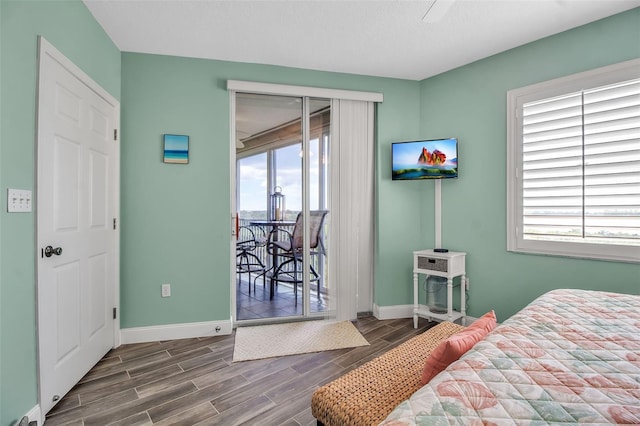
{"points": [[386, 38], [256, 114]]}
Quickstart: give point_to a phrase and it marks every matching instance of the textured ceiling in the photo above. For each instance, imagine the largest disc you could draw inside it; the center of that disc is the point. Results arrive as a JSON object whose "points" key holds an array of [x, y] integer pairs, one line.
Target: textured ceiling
{"points": [[387, 38]]}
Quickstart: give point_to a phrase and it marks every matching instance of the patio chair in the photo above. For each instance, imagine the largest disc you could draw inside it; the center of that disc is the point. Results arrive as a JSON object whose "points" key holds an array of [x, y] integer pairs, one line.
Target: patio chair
{"points": [[290, 250], [248, 260]]}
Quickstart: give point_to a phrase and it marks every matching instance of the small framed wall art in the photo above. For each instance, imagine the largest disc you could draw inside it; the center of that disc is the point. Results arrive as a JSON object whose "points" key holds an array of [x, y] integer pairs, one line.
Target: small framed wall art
{"points": [[176, 149]]}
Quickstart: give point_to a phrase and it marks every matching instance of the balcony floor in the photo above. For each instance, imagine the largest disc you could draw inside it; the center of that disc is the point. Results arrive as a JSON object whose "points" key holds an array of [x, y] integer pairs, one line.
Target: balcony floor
{"points": [[258, 306]]}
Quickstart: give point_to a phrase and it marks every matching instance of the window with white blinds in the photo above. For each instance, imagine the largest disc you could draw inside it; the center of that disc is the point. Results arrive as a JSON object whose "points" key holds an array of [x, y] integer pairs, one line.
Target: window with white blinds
{"points": [[574, 165]]}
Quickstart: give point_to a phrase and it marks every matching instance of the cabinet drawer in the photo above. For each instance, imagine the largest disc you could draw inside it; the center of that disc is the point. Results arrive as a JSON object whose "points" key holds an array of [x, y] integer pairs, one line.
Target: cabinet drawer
{"points": [[433, 264]]}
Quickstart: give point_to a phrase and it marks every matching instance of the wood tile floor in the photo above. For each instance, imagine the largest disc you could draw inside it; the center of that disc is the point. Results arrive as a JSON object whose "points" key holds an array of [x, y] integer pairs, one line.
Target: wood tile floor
{"points": [[194, 382]]}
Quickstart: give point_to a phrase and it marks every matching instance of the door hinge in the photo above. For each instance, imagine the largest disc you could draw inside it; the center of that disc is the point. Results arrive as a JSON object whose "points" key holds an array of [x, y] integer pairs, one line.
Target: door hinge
{"points": [[115, 134], [114, 223], [115, 313]]}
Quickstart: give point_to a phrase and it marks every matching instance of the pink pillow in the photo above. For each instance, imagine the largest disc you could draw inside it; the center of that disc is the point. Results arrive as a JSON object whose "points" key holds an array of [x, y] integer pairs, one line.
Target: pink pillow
{"points": [[454, 347], [486, 322]]}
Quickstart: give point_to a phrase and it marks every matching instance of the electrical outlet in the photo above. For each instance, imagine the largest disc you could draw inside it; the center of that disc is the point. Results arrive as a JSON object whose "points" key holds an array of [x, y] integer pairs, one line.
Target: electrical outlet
{"points": [[166, 290], [466, 283]]}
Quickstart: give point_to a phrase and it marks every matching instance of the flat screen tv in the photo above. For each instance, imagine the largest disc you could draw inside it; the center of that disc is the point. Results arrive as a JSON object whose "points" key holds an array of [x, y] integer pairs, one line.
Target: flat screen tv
{"points": [[424, 159]]}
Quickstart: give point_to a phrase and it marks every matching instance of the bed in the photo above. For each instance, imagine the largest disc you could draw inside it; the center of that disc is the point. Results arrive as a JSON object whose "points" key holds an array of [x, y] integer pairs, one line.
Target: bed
{"points": [[569, 357]]}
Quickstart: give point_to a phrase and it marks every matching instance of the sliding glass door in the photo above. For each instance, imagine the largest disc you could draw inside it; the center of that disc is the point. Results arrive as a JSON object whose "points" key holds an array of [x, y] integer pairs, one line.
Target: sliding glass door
{"points": [[282, 205]]}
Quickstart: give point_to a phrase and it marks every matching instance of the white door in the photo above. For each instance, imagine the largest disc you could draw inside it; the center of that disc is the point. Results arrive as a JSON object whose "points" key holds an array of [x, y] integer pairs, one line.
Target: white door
{"points": [[76, 210]]}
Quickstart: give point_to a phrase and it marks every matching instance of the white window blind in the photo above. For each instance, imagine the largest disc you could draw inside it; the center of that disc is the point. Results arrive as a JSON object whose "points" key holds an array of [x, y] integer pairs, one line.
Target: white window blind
{"points": [[581, 166], [573, 165]]}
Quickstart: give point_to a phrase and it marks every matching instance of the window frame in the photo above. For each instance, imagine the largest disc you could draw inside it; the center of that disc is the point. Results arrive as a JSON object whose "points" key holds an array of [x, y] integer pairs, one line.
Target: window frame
{"points": [[516, 98]]}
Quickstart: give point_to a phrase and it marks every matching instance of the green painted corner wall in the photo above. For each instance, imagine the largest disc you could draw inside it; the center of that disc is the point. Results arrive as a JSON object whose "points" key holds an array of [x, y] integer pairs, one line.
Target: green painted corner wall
{"points": [[470, 103], [69, 26], [176, 218]]}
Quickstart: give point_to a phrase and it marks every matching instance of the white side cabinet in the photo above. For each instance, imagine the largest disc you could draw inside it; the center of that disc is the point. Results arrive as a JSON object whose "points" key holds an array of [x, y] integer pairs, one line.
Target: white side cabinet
{"points": [[448, 265]]}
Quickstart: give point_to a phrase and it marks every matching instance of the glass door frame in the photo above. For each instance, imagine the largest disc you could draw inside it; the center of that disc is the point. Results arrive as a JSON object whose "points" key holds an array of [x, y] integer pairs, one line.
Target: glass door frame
{"points": [[305, 210], [234, 86]]}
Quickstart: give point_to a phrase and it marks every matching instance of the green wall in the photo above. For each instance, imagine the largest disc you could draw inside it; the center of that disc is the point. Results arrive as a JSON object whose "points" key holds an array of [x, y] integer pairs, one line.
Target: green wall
{"points": [[470, 103], [69, 26], [176, 218]]}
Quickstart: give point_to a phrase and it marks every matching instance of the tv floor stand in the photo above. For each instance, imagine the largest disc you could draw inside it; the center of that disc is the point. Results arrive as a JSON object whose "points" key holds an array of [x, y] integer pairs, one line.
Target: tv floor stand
{"points": [[448, 265]]}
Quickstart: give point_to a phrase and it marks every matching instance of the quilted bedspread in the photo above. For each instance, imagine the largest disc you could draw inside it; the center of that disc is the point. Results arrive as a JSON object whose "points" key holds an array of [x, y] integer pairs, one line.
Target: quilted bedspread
{"points": [[570, 357]]}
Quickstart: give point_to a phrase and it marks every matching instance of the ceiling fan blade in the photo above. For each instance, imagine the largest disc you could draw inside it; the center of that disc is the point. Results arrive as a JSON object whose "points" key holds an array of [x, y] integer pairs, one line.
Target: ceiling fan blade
{"points": [[437, 10]]}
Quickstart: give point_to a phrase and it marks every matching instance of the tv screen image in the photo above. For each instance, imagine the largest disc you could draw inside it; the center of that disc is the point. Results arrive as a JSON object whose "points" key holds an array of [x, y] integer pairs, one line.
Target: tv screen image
{"points": [[425, 159]]}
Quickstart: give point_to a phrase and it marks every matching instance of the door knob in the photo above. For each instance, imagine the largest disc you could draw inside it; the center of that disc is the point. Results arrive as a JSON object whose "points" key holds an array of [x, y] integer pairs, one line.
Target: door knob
{"points": [[50, 251]]}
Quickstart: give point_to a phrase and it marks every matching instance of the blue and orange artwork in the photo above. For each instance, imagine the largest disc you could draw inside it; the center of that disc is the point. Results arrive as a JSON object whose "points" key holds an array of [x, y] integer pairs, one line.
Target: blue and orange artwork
{"points": [[176, 149]]}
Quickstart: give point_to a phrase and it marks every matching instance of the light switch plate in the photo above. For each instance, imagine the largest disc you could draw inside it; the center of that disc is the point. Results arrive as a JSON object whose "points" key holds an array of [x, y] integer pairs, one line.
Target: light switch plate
{"points": [[166, 290], [18, 200]]}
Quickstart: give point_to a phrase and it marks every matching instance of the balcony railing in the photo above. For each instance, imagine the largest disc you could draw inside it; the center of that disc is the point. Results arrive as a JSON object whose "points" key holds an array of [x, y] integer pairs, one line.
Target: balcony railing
{"points": [[247, 231]]}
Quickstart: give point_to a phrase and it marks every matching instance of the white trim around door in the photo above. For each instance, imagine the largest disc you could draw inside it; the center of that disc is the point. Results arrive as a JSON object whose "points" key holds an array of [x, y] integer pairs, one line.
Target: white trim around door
{"points": [[77, 223], [301, 91]]}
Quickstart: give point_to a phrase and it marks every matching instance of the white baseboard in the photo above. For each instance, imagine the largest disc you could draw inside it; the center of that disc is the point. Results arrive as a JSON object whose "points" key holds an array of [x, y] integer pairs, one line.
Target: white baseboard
{"points": [[404, 311], [467, 320], [175, 331], [392, 312]]}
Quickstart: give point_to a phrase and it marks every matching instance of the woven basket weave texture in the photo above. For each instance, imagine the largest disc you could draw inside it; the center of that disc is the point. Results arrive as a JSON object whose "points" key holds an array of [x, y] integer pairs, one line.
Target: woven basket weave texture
{"points": [[366, 395]]}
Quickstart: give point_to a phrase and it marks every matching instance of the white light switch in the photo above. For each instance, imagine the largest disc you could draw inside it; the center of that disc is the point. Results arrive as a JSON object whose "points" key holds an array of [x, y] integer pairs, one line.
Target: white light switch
{"points": [[18, 200]]}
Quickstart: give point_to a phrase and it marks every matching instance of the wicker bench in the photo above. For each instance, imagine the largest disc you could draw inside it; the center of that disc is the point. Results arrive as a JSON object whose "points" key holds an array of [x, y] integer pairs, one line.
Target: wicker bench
{"points": [[365, 396]]}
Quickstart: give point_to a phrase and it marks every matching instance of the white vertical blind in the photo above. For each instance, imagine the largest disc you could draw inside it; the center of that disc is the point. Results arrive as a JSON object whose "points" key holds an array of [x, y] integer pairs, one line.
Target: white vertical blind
{"points": [[581, 166], [352, 178]]}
